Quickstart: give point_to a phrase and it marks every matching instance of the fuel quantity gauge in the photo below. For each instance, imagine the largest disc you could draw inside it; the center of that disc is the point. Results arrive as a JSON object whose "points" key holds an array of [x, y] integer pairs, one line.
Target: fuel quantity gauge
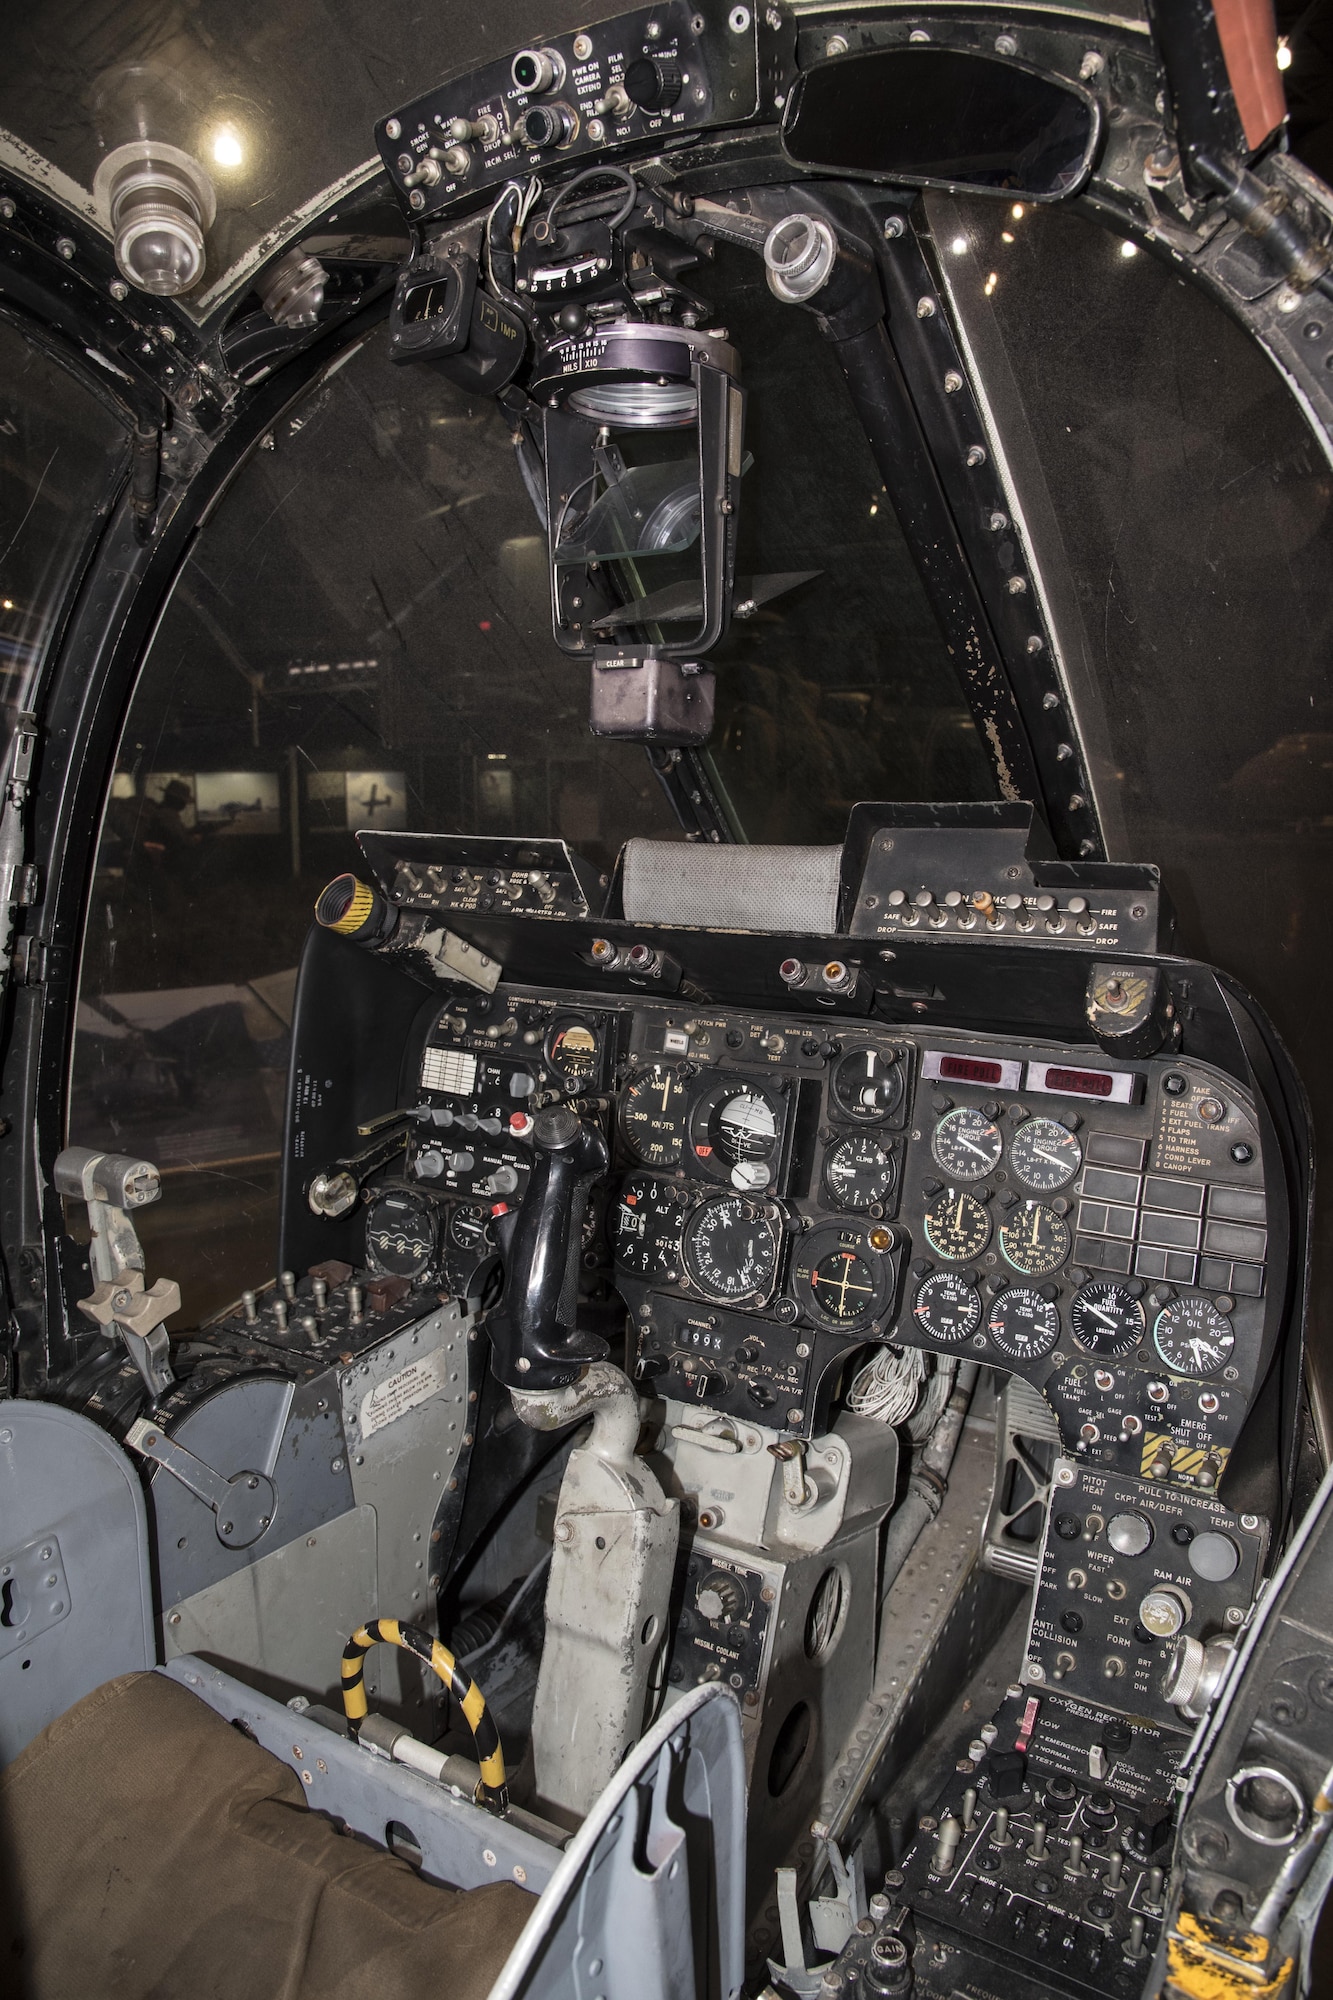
{"points": [[1107, 1318]]}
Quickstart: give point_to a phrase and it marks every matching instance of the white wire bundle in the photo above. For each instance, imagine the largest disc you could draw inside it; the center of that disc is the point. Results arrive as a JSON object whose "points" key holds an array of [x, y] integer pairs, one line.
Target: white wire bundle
{"points": [[900, 1386]]}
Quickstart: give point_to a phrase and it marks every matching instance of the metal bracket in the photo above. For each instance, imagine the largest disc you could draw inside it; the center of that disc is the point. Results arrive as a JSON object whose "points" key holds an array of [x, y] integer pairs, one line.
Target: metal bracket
{"points": [[243, 1506], [112, 1184]]}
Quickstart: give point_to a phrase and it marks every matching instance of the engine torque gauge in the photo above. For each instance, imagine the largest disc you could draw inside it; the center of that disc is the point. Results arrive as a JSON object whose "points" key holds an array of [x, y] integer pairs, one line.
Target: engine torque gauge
{"points": [[1193, 1337], [868, 1084], [731, 1250], [652, 1116], [967, 1144], [1045, 1155], [1034, 1240], [1023, 1324], [957, 1226], [858, 1172], [947, 1307], [1107, 1318]]}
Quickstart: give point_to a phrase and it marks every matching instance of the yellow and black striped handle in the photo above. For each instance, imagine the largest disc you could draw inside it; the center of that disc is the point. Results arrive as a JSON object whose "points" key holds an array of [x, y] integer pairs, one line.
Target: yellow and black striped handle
{"points": [[388, 1632]]}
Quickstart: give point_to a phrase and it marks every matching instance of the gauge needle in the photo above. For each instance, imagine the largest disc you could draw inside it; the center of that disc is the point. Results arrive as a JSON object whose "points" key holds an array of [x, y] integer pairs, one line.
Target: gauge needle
{"points": [[972, 1146], [1054, 1158], [1106, 1318], [666, 1092], [958, 1212]]}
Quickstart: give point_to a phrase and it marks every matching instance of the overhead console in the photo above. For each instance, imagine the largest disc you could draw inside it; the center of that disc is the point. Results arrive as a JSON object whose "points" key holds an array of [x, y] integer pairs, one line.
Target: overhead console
{"points": [[647, 75]]}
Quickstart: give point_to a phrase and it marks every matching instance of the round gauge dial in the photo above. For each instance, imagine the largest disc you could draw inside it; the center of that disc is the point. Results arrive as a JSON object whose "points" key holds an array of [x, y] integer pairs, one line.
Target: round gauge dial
{"points": [[647, 1230], [1107, 1318], [571, 1048], [470, 1229], [868, 1084], [844, 1286], [652, 1116], [947, 1307], [967, 1144], [735, 1128], [1193, 1337], [858, 1172], [401, 1232], [1045, 1155], [731, 1250], [1023, 1324], [957, 1226], [1034, 1239]]}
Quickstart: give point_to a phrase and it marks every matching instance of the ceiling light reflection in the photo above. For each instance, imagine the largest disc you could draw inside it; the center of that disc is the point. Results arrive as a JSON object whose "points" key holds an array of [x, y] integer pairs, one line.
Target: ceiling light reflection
{"points": [[1283, 56], [959, 246], [227, 147], [1129, 249]]}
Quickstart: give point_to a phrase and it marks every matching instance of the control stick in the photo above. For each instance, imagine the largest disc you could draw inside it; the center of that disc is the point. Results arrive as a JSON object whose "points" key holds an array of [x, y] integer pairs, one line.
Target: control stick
{"points": [[533, 1336]]}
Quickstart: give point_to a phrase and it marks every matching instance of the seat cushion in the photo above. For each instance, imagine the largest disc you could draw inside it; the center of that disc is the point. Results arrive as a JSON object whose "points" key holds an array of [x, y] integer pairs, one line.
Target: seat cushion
{"points": [[149, 1850]]}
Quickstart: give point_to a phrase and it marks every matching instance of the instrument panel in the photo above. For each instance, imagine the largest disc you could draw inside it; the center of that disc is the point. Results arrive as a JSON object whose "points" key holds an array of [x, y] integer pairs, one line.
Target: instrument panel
{"points": [[785, 1193]]}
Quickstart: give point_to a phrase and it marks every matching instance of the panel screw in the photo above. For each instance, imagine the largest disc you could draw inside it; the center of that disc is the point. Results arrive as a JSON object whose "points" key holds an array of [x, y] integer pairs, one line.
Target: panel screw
{"points": [[65, 245], [976, 455], [7, 209], [393, 130], [953, 382], [925, 308], [1092, 65], [836, 45], [894, 227], [1006, 45]]}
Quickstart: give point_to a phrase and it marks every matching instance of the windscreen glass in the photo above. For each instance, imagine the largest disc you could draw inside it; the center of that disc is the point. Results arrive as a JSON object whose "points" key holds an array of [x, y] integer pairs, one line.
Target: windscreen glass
{"points": [[948, 116], [62, 456], [362, 639], [1191, 509]]}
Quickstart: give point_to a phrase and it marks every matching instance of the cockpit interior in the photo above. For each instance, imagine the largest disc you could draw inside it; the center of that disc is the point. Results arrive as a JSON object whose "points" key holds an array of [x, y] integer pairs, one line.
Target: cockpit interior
{"points": [[665, 1326]]}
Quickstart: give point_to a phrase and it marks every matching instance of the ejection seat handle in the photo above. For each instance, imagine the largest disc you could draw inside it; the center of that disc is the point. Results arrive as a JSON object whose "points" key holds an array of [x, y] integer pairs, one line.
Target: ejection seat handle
{"points": [[535, 1342]]}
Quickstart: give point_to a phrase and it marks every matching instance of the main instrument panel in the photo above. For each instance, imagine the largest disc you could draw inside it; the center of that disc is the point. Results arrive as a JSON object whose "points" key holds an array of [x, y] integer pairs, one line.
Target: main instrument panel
{"points": [[786, 1190]]}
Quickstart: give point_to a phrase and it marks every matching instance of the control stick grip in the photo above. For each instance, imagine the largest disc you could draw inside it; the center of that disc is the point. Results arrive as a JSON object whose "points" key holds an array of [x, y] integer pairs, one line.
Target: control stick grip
{"points": [[535, 1342]]}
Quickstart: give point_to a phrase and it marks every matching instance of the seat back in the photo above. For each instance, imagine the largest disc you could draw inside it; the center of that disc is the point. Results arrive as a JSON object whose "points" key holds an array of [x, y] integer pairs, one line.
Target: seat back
{"points": [[76, 1604]]}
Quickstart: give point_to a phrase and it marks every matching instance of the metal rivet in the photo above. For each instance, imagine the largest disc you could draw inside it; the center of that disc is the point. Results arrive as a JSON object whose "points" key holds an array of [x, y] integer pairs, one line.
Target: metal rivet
{"points": [[836, 45], [488, 1856], [7, 209], [393, 130], [1006, 45]]}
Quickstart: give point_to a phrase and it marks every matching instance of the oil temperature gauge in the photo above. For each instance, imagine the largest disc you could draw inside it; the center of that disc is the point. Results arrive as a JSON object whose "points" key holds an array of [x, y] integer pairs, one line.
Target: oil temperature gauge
{"points": [[858, 1172], [1193, 1337], [967, 1144], [957, 1226], [1107, 1318], [1023, 1324], [1034, 1239], [653, 1116], [1045, 1155], [946, 1307]]}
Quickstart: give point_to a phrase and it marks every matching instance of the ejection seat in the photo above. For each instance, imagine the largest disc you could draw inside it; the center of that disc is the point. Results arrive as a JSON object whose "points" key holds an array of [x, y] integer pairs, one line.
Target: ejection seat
{"points": [[170, 1832]]}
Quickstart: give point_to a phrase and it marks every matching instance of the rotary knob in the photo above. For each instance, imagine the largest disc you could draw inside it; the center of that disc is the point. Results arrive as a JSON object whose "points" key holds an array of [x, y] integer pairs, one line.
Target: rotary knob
{"points": [[720, 1597], [653, 83]]}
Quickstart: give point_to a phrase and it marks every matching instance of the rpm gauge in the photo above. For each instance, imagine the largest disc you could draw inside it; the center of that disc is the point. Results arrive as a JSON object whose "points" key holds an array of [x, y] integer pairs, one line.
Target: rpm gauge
{"points": [[858, 1172], [1023, 1324], [967, 1144], [957, 1226], [735, 1130], [731, 1250], [1045, 1155], [946, 1307], [1034, 1239], [1193, 1337], [1107, 1318], [653, 1116]]}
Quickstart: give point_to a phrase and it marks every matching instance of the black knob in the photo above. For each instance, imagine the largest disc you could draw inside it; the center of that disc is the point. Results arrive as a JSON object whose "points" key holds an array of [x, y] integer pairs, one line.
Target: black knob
{"points": [[653, 83], [762, 1394], [545, 125]]}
